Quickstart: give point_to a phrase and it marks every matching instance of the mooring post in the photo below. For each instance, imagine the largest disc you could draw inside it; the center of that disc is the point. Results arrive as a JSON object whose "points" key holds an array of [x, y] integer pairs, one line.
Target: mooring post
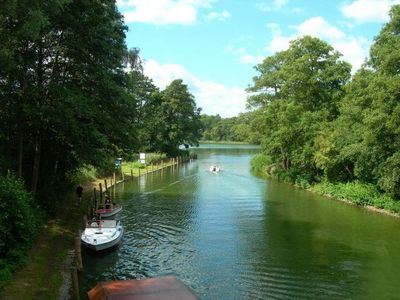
{"points": [[101, 192], [75, 284], [85, 220], [78, 254], [139, 171], [132, 174], [105, 185], [94, 198]]}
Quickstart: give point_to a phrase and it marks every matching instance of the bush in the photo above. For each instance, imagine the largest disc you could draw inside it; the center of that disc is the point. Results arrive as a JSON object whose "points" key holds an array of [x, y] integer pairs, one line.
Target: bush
{"points": [[19, 224], [83, 174], [260, 162], [358, 193]]}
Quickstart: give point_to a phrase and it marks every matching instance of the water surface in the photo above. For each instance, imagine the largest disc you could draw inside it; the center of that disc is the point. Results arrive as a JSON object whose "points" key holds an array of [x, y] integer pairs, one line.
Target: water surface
{"points": [[233, 235]]}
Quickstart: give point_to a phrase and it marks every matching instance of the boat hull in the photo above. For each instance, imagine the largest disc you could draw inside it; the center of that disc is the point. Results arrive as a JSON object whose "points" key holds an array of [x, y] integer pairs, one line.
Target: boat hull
{"points": [[109, 213], [97, 242]]}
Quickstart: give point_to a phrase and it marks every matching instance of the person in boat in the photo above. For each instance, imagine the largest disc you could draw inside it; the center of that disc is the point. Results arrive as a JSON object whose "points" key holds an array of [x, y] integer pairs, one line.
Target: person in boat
{"points": [[108, 202], [94, 223]]}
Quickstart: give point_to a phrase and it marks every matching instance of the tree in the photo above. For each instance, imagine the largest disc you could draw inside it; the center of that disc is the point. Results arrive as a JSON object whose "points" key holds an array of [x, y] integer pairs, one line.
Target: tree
{"points": [[297, 93], [179, 121], [62, 81]]}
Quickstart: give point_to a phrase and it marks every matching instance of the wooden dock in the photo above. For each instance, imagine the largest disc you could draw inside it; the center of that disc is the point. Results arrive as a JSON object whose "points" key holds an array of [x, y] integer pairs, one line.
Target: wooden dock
{"points": [[165, 288]]}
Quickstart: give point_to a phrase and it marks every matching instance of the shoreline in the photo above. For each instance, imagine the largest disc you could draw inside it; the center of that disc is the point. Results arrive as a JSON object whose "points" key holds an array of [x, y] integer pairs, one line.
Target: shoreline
{"points": [[347, 201], [47, 270]]}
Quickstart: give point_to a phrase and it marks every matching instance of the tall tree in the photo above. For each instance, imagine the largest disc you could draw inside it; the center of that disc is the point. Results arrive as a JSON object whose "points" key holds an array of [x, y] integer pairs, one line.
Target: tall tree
{"points": [[297, 92], [179, 121], [365, 141], [61, 79]]}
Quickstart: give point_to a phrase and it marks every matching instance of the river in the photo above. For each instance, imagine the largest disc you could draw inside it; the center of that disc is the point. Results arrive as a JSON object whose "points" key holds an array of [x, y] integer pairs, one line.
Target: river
{"points": [[233, 235]]}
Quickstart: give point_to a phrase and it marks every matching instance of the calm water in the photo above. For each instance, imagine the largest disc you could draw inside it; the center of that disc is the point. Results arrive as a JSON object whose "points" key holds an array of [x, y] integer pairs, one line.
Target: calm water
{"points": [[236, 236]]}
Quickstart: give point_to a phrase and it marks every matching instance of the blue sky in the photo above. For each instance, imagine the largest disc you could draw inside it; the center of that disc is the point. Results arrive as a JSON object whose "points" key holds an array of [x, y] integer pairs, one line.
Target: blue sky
{"points": [[213, 45]]}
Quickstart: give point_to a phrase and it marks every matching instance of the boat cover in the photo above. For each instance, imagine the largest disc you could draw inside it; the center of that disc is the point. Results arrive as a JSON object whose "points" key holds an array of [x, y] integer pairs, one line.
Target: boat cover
{"points": [[165, 288]]}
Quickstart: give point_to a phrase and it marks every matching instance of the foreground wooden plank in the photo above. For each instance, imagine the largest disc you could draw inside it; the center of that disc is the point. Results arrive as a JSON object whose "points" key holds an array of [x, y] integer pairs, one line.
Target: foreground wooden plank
{"points": [[165, 288]]}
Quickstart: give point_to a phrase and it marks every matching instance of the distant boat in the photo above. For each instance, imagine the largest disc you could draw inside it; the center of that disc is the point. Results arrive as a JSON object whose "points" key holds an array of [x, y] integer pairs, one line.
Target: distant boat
{"points": [[102, 234], [214, 169]]}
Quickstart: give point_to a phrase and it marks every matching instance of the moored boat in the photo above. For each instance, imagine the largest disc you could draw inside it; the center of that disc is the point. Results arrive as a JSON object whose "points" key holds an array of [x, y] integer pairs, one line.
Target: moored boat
{"points": [[109, 211], [102, 234]]}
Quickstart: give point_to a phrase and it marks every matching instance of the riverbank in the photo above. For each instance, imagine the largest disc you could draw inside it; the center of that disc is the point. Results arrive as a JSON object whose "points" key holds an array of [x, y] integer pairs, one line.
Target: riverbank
{"points": [[224, 142], [363, 195], [46, 274]]}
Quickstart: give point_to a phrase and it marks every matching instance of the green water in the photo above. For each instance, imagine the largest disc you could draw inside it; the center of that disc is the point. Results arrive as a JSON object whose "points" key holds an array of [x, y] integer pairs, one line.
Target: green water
{"points": [[232, 235]]}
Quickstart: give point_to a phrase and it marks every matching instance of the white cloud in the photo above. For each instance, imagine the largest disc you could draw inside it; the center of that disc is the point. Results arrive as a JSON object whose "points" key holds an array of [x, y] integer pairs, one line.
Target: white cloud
{"points": [[162, 12], [354, 49], [222, 16], [318, 27], [279, 3], [269, 6], [244, 56], [213, 97], [368, 10]]}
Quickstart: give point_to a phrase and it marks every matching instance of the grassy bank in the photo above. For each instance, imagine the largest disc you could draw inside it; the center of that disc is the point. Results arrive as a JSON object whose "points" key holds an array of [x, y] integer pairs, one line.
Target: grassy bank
{"points": [[223, 142], [361, 194], [45, 269]]}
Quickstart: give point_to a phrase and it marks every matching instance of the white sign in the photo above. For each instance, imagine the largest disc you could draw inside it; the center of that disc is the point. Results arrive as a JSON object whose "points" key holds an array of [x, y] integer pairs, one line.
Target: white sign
{"points": [[142, 158]]}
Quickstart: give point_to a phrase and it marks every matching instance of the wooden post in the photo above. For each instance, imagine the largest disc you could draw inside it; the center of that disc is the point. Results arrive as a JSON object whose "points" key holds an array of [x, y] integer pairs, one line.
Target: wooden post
{"points": [[75, 284], [139, 172], [105, 184], [78, 255], [146, 170], [94, 197], [114, 179], [85, 220], [123, 175], [162, 164], [101, 192]]}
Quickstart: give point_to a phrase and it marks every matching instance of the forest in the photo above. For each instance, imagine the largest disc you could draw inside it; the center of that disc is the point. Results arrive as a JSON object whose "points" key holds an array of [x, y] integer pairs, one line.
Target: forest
{"points": [[322, 126], [72, 95]]}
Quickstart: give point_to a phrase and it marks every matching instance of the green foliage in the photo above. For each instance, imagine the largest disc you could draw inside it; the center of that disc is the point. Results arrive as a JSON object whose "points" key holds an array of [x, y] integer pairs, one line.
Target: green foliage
{"points": [[155, 158], [296, 94], [261, 163], [83, 174], [235, 129], [67, 101], [178, 119], [19, 224], [315, 125], [358, 193]]}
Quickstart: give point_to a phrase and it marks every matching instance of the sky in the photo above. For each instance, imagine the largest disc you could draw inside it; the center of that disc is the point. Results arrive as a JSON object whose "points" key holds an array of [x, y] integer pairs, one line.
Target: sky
{"points": [[214, 45]]}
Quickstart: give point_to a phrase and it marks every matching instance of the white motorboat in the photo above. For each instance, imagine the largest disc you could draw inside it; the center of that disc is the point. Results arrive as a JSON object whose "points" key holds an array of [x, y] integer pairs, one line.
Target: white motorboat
{"points": [[102, 234], [214, 169]]}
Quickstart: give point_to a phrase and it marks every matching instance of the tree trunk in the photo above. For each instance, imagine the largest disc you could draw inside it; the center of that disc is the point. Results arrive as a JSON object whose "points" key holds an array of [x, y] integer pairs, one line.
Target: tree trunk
{"points": [[38, 138], [20, 153], [36, 164]]}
